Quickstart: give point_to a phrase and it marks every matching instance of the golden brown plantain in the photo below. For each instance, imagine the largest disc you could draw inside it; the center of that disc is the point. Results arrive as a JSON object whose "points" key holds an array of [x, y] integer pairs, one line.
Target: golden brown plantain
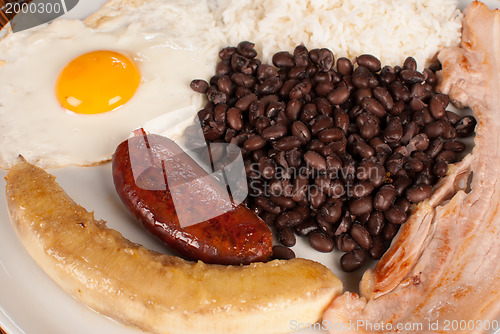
{"points": [[156, 292]]}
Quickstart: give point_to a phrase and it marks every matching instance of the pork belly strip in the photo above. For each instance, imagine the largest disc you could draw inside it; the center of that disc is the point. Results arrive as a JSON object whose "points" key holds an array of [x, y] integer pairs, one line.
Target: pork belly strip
{"points": [[444, 265]]}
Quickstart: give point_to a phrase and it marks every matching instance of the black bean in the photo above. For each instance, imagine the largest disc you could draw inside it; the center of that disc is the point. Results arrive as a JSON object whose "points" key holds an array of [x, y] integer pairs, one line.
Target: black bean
{"points": [[282, 253], [372, 105], [306, 227], [430, 77], [377, 175], [395, 216], [320, 123], [333, 163], [465, 126], [344, 66], [387, 75], [222, 68], [449, 131], [301, 55], [454, 146], [399, 91], [324, 88], [361, 236], [341, 120], [345, 224], [293, 109], [410, 63], [420, 143], [245, 102], [309, 112], [316, 197], [361, 189], [375, 223], [411, 76], [286, 236], [267, 167], [413, 165], [369, 61], [418, 193], [234, 118], [424, 179], [325, 60], [377, 249], [390, 231], [316, 145], [199, 86], [220, 113], [338, 95], [301, 131], [368, 125], [398, 108], [254, 142], [246, 49], [435, 146], [353, 260], [243, 80], [320, 242], [446, 156], [270, 86], [274, 132], [345, 243], [434, 130], [416, 104], [240, 64], [287, 87], [379, 145], [419, 91], [395, 163], [261, 124], [362, 93], [403, 204], [361, 206], [304, 211], [315, 160], [322, 77], [287, 143], [294, 158], [265, 71], [393, 131], [226, 53], [300, 187], [288, 219], [283, 59], [384, 198], [216, 96], [267, 205], [363, 149], [324, 226], [332, 212], [384, 97], [329, 135], [437, 108], [440, 168], [361, 77], [452, 117]]}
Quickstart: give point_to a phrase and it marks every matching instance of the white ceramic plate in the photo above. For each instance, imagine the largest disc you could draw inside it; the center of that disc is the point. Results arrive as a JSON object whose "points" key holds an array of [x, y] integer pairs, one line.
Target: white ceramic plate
{"points": [[31, 303]]}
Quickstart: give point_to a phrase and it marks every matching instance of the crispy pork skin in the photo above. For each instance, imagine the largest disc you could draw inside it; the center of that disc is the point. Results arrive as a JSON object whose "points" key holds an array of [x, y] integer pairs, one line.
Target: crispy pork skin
{"points": [[442, 272]]}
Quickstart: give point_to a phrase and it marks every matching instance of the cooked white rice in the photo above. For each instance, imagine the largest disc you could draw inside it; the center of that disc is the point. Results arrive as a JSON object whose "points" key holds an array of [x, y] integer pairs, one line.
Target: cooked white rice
{"points": [[389, 29]]}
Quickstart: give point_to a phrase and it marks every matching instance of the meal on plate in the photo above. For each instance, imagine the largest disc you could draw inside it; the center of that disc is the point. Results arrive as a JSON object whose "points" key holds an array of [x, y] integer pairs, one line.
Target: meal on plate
{"points": [[340, 117]]}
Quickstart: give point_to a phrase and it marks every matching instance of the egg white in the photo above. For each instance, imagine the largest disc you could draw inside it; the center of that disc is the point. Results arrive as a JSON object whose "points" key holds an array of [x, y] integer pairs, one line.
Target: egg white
{"points": [[171, 45]]}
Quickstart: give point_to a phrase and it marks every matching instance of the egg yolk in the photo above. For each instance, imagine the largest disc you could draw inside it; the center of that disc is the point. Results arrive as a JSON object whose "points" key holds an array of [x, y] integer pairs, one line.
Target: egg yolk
{"points": [[97, 82]]}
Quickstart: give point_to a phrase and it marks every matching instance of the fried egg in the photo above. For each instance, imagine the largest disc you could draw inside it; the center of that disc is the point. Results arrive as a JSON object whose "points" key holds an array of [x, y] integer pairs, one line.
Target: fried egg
{"points": [[71, 91]]}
